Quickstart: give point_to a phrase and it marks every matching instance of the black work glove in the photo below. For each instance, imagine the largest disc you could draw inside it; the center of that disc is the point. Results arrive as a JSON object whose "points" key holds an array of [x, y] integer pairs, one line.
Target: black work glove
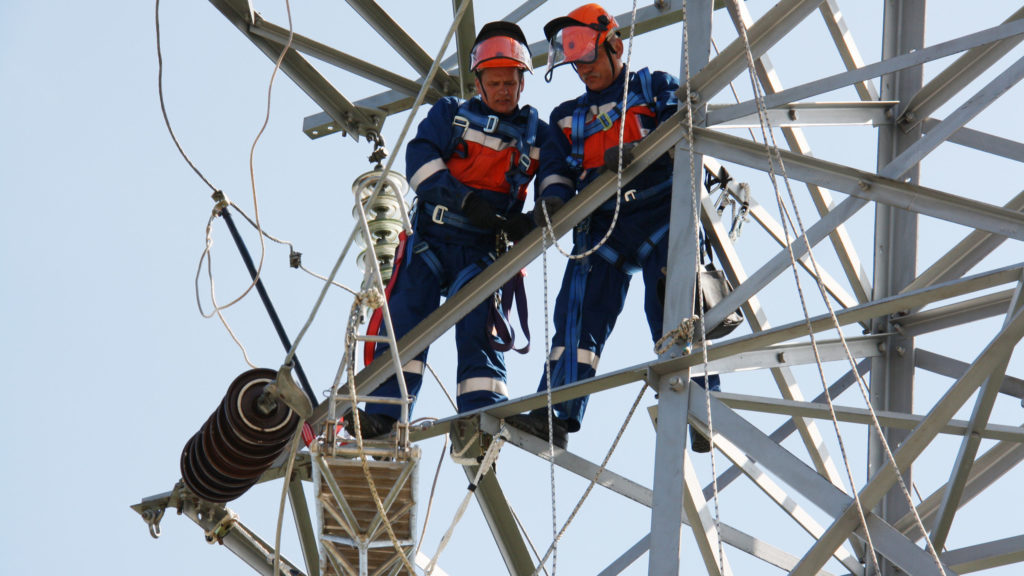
{"points": [[517, 226], [611, 156], [479, 212], [553, 203]]}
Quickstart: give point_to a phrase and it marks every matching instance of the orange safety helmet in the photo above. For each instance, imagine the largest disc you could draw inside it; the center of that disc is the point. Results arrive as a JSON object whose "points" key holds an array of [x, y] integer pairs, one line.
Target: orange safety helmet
{"points": [[500, 45], [578, 36]]}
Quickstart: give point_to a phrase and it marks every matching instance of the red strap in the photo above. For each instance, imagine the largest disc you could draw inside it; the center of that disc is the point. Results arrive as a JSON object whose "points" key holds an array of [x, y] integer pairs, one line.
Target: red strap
{"points": [[373, 328]]}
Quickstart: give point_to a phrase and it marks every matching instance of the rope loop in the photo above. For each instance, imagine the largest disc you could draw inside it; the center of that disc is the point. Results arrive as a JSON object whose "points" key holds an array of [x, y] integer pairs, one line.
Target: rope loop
{"points": [[682, 335]]}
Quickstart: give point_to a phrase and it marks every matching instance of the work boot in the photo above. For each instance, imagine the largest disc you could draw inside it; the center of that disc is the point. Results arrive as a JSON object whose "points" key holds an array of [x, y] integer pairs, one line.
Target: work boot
{"points": [[699, 442], [372, 425], [536, 424]]}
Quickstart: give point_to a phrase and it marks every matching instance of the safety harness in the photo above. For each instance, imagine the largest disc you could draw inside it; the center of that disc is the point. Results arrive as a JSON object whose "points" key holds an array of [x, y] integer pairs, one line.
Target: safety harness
{"points": [[524, 136], [581, 129], [513, 292], [567, 364]]}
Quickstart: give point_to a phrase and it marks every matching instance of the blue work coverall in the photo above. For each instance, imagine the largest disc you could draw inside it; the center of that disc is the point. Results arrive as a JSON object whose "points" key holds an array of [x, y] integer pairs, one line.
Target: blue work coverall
{"points": [[593, 289], [450, 158]]}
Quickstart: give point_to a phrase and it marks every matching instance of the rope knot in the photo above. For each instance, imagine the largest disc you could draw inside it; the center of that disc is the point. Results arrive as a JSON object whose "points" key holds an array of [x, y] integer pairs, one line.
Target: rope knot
{"points": [[372, 298], [682, 335]]}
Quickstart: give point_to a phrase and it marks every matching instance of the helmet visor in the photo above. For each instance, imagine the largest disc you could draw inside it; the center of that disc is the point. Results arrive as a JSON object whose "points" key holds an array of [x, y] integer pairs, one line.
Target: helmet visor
{"points": [[501, 52], [576, 44]]}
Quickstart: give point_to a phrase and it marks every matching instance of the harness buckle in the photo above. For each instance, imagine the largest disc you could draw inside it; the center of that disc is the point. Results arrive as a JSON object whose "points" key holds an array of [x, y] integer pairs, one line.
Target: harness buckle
{"points": [[524, 163], [605, 120], [492, 124], [461, 122], [630, 195], [438, 214]]}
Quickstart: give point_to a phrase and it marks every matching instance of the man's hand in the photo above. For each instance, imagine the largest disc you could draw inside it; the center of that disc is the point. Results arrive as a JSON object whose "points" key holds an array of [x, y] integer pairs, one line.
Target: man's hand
{"points": [[517, 226], [611, 156], [552, 203], [480, 212]]}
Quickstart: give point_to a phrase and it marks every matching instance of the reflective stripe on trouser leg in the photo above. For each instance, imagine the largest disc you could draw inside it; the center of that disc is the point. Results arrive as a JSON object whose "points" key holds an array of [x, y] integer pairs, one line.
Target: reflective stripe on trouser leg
{"points": [[480, 391]]}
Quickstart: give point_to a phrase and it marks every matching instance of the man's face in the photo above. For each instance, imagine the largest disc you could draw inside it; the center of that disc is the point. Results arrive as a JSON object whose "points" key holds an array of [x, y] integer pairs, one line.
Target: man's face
{"points": [[500, 88], [600, 73]]}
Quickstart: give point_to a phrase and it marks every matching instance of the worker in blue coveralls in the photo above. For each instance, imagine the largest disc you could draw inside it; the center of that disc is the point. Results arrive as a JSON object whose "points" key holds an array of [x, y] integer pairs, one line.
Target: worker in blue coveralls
{"points": [[470, 164], [584, 141]]}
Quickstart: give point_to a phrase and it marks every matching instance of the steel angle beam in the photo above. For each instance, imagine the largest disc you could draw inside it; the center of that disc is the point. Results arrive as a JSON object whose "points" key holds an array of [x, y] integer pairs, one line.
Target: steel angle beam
{"points": [[798, 475], [834, 82], [465, 35], [982, 141], [491, 499], [340, 59], [760, 214], [959, 117], [658, 15], [797, 142], [888, 419], [848, 51], [778, 21], [863, 186], [671, 499], [953, 368], [783, 432], [797, 354], [983, 406], [705, 531], [966, 254], [758, 322], [400, 40], [781, 498], [964, 70], [781, 355], [800, 114], [348, 117], [957, 314], [987, 555], [304, 526], [635, 492], [231, 532], [990, 467], [860, 313], [993, 355]]}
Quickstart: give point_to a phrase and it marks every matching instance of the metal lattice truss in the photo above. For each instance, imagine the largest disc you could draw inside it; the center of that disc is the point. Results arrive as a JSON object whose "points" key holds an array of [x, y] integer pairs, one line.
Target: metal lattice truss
{"points": [[890, 305]]}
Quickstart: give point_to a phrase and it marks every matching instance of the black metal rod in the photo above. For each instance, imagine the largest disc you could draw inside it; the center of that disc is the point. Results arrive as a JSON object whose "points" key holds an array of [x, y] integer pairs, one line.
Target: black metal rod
{"points": [[285, 341]]}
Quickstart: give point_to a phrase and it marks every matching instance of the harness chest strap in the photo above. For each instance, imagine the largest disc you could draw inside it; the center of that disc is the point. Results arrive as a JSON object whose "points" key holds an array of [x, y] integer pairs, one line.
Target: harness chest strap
{"points": [[524, 136], [581, 129]]}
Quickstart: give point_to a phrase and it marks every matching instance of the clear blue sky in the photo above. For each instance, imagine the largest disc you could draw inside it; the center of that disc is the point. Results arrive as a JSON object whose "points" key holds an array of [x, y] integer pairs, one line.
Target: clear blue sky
{"points": [[110, 368]]}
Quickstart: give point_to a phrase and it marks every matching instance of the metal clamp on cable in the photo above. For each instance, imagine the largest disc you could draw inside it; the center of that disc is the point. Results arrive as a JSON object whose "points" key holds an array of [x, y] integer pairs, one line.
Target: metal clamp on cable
{"points": [[221, 529]]}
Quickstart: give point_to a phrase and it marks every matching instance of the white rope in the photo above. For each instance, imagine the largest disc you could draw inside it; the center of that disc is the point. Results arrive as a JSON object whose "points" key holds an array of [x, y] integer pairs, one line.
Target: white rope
{"points": [[547, 396], [485, 466], [292, 252], [430, 499], [292, 452], [696, 188], [593, 481], [775, 156], [217, 310]]}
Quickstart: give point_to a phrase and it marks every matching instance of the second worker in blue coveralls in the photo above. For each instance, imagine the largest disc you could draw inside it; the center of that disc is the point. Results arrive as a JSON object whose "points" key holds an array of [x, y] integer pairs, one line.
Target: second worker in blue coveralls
{"points": [[584, 141], [470, 164]]}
